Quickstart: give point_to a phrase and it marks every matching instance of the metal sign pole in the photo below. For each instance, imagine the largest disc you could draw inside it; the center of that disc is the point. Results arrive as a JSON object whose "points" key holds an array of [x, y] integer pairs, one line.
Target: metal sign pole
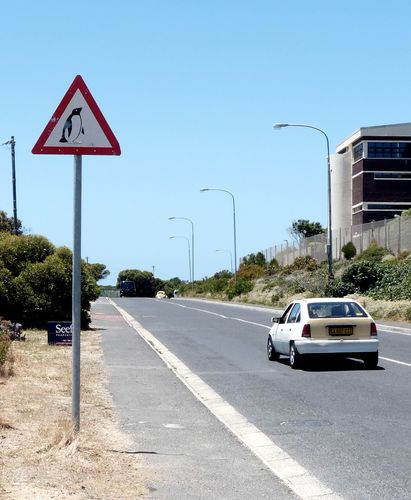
{"points": [[76, 295]]}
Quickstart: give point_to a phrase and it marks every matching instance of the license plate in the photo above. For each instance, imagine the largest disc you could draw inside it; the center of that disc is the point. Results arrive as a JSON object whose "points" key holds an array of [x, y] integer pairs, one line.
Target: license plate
{"points": [[340, 330]]}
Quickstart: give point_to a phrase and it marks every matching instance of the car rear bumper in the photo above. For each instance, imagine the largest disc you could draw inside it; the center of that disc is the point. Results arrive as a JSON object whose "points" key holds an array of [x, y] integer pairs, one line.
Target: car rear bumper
{"points": [[341, 346]]}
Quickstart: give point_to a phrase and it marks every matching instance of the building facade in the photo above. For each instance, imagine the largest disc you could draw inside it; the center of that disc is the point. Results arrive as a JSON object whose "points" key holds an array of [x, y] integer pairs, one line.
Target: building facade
{"points": [[371, 175]]}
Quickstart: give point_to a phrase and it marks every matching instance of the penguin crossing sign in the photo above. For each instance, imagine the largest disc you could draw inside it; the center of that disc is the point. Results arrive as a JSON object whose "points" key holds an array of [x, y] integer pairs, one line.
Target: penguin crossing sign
{"points": [[77, 127]]}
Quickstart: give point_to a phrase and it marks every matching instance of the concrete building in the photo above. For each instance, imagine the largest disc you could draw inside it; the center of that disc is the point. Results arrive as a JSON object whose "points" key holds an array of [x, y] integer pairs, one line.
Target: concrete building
{"points": [[371, 175]]}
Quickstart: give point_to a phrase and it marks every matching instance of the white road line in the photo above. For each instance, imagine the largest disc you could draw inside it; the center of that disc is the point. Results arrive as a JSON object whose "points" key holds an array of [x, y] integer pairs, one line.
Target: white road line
{"points": [[395, 361], [290, 472], [222, 315], [394, 329]]}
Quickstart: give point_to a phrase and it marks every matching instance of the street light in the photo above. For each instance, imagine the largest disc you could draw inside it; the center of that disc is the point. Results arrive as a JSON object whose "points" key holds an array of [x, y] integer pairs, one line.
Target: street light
{"points": [[12, 144], [188, 246], [329, 232], [234, 226], [192, 245], [231, 257]]}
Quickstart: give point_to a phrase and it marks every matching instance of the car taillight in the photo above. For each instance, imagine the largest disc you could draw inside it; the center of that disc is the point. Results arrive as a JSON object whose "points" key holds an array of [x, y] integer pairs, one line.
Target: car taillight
{"points": [[373, 330], [306, 331]]}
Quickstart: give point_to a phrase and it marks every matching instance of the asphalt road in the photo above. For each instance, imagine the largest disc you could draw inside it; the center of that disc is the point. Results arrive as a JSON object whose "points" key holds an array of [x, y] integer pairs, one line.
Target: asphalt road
{"points": [[347, 427]]}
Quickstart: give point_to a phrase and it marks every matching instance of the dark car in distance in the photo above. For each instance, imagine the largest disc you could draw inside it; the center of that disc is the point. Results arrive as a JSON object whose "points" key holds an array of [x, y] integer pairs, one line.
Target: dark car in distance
{"points": [[127, 288]]}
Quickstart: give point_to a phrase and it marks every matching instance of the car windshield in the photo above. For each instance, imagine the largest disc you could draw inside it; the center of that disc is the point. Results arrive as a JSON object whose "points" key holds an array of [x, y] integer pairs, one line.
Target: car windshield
{"points": [[335, 310]]}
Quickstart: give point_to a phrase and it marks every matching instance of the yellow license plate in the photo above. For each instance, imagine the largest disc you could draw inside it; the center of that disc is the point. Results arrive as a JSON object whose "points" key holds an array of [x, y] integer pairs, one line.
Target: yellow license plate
{"points": [[340, 330]]}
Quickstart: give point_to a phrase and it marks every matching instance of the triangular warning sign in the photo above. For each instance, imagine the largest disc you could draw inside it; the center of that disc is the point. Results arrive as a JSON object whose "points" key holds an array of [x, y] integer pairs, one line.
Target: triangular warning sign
{"points": [[77, 127]]}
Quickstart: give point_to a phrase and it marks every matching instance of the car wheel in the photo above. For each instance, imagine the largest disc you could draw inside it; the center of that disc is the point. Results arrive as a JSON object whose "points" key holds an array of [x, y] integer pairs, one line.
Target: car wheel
{"points": [[295, 357], [371, 360], [272, 354]]}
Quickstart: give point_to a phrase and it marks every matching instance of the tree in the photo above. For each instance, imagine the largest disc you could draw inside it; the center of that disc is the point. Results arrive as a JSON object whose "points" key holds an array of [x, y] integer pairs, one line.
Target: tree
{"points": [[99, 271], [349, 251], [303, 228], [7, 223], [144, 281], [35, 281], [257, 259]]}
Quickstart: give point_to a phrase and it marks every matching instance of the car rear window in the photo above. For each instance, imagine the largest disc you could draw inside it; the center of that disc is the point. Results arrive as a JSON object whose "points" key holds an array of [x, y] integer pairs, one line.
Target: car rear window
{"points": [[335, 310]]}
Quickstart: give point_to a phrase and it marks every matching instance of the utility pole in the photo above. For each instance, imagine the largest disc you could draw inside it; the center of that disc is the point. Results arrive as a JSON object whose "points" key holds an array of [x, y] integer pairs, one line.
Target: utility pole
{"points": [[12, 143]]}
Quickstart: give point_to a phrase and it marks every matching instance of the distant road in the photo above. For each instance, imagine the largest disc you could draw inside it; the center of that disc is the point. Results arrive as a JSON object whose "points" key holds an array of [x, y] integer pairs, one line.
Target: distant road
{"points": [[348, 429]]}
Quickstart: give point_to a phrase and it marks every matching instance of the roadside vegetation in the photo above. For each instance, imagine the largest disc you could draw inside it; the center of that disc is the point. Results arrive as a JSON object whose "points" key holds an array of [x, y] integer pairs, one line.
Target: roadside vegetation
{"points": [[378, 279], [36, 276], [146, 284]]}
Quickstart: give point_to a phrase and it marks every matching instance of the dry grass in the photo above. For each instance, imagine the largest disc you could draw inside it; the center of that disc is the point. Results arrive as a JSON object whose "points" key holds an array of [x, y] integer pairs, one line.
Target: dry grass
{"points": [[41, 456]]}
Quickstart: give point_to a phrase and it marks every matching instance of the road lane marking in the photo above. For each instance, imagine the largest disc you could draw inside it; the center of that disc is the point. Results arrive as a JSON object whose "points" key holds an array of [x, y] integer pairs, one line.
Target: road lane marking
{"points": [[394, 329], [289, 471], [395, 361], [222, 316]]}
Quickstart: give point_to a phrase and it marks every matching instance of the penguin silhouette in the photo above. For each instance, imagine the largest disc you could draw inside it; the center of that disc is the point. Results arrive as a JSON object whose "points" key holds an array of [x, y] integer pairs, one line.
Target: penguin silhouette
{"points": [[73, 126]]}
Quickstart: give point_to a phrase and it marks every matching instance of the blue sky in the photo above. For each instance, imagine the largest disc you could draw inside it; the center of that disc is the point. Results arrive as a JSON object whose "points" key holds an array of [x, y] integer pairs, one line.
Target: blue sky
{"points": [[191, 90]]}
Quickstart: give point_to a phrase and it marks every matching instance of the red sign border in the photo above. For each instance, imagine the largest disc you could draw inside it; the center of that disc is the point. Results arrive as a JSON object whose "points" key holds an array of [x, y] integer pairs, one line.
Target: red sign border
{"points": [[78, 84]]}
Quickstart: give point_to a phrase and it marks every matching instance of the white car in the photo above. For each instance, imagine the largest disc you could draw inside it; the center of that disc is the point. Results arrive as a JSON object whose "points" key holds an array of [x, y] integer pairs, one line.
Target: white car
{"points": [[161, 295], [324, 326]]}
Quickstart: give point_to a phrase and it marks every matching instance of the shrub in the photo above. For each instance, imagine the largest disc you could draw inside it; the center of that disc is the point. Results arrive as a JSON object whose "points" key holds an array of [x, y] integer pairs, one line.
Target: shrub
{"points": [[338, 288], [257, 259], [242, 286], [373, 253], [306, 263], [349, 251], [394, 282], [361, 274], [250, 271]]}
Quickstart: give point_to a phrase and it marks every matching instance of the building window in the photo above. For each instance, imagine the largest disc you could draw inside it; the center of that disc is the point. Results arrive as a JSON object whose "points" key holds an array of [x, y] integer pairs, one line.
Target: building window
{"points": [[403, 176], [389, 150], [358, 152], [388, 206]]}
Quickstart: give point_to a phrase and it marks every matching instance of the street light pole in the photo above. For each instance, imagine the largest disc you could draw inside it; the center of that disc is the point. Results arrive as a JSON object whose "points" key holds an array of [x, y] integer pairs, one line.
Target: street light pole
{"points": [[189, 256], [234, 227], [329, 231], [12, 143], [192, 245]]}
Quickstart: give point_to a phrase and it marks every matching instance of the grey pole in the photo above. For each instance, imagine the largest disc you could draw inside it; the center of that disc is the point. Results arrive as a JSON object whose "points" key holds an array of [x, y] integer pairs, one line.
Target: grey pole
{"points": [[12, 143], [192, 246], [329, 232], [13, 169], [188, 246], [234, 227], [76, 295]]}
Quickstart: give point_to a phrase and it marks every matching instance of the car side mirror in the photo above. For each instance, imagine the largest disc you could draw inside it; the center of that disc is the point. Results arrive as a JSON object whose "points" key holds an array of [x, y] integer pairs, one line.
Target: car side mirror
{"points": [[275, 319]]}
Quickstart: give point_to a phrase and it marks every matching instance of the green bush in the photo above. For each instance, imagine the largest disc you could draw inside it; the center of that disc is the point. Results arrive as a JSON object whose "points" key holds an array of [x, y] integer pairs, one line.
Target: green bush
{"points": [[250, 271], [242, 286], [373, 253], [361, 274], [338, 288], [306, 263], [35, 282], [394, 281], [349, 251], [17, 251]]}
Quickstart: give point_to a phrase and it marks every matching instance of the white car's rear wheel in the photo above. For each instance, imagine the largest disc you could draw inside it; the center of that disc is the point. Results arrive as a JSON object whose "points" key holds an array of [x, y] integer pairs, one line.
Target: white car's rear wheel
{"points": [[295, 357], [371, 360]]}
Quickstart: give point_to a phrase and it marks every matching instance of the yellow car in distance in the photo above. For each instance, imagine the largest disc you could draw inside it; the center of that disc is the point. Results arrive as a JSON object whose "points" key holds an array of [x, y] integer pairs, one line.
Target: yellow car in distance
{"points": [[326, 326], [161, 295]]}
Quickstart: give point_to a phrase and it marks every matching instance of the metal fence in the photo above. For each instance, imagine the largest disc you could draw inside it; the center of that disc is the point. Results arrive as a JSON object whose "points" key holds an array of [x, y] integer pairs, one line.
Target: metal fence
{"points": [[392, 234]]}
